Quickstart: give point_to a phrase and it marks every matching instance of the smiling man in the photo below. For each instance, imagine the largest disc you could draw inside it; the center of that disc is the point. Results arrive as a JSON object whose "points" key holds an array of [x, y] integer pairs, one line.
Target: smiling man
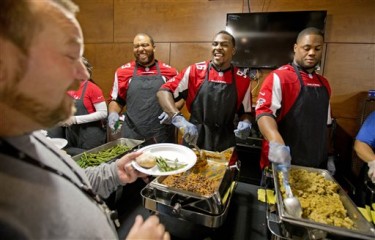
{"points": [[293, 108], [44, 193], [135, 86], [215, 91]]}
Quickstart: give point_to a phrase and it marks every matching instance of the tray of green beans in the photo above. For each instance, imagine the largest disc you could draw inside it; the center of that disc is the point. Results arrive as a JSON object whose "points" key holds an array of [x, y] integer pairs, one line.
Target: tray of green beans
{"points": [[107, 152]]}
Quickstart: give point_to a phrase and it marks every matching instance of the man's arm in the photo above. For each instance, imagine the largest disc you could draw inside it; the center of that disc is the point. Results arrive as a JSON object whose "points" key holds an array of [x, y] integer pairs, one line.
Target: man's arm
{"points": [[166, 102], [105, 178], [364, 151], [268, 127]]}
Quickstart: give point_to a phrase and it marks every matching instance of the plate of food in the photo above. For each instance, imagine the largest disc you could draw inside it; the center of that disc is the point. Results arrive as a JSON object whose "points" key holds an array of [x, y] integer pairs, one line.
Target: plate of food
{"points": [[163, 159]]}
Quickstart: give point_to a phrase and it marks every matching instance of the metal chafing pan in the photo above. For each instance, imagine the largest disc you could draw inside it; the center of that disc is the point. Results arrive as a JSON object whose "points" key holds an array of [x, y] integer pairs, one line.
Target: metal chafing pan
{"points": [[363, 229], [210, 210], [131, 143]]}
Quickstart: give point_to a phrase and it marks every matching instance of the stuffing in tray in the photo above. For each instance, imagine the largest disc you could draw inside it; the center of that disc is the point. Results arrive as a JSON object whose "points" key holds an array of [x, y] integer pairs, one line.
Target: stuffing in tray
{"points": [[319, 198]]}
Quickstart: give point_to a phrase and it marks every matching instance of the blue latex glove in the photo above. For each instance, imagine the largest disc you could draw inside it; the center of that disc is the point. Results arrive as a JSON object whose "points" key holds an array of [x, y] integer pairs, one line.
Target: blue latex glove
{"points": [[190, 131], [113, 118], [371, 170], [164, 118], [243, 129], [279, 153]]}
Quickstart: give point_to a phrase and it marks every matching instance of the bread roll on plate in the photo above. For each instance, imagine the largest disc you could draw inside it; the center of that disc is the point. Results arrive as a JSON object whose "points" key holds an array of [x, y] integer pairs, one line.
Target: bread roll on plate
{"points": [[146, 160]]}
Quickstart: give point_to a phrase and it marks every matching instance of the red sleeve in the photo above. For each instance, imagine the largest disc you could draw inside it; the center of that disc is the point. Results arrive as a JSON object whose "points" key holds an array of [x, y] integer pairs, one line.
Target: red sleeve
{"points": [[121, 82], [167, 71], [243, 90], [186, 84], [278, 93], [92, 96]]}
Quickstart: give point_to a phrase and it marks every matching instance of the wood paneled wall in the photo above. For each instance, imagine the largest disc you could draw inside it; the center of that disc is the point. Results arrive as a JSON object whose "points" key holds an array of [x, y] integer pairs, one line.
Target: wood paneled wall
{"points": [[183, 30]]}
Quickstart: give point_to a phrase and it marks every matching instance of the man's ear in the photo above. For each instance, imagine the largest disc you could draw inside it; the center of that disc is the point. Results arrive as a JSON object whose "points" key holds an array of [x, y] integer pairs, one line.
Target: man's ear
{"points": [[234, 51]]}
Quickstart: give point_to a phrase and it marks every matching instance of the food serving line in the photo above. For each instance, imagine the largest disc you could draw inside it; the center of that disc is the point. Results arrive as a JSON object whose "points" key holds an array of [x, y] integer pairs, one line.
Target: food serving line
{"points": [[230, 210]]}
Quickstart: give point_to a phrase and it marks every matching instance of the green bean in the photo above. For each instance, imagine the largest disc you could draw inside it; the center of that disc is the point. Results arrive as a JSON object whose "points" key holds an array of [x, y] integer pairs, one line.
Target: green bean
{"points": [[94, 159], [165, 167]]}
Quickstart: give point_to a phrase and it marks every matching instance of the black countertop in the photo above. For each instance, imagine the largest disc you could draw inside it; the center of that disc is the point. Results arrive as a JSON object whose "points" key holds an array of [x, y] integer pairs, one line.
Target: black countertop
{"points": [[246, 217]]}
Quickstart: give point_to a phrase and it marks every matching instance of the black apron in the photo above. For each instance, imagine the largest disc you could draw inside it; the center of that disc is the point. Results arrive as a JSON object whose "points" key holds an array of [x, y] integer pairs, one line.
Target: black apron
{"points": [[142, 110], [213, 111], [84, 136], [304, 127]]}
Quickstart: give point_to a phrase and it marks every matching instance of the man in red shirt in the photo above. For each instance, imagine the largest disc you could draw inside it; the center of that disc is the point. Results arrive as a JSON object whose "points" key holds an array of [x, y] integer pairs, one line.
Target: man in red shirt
{"points": [[293, 108], [215, 91], [135, 86]]}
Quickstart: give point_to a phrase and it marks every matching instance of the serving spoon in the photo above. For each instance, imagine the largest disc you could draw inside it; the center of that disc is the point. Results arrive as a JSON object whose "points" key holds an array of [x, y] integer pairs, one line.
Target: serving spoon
{"points": [[292, 204]]}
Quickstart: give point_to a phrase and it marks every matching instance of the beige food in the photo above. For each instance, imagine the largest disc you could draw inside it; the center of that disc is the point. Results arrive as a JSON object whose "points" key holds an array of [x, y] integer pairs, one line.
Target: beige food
{"points": [[146, 160], [319, 198]]}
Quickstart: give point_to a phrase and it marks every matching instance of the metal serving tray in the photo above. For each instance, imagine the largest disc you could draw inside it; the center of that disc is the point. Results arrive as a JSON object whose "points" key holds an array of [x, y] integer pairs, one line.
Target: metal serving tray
{"points": [[363, 229], [185, 207], [131, 143], [208, 210]]}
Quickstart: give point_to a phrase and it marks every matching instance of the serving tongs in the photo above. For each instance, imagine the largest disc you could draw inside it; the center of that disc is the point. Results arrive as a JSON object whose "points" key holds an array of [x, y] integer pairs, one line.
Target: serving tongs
{"points": [[291, 203], [202, 155]]}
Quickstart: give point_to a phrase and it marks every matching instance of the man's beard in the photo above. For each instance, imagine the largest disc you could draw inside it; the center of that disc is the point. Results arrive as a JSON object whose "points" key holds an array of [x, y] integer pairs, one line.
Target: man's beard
{"points": [[36, 110], [149, 60], [44, 116], [28, 106]]}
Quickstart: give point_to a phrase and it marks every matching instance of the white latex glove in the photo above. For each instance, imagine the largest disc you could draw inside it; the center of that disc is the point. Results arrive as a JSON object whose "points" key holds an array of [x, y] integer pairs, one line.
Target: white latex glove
{"points": [[190, 131], [113, 118], [164, 118], [69, 122], [331, 167], [371, 171], [279, 153], [243, 129]]}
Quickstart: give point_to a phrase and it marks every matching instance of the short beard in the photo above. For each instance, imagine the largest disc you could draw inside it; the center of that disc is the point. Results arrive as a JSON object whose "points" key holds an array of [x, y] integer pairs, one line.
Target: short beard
{"points": [[33, 109], [28, 106], [37, 111], [150, 60]]}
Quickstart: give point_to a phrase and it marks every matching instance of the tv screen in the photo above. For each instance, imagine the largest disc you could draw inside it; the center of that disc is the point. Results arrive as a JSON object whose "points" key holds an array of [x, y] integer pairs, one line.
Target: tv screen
{"points": [[266, 39]]}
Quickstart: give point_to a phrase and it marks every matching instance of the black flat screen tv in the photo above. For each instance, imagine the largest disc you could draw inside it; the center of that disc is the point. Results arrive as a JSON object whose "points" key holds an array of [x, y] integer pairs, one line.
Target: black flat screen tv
{"points": [[266, 39]]}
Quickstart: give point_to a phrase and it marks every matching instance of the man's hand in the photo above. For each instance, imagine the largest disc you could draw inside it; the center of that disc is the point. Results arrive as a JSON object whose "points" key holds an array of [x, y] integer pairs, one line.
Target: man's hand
{"points": [[190, 131], [126, 172], [113, 118], [279, 153], [243, 129], [150, 229], [371, 171], [164, 118]]}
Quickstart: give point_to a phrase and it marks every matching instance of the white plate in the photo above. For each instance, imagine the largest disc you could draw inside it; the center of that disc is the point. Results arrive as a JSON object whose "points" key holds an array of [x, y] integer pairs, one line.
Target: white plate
{"points": [[169, 151], [59, 142]]}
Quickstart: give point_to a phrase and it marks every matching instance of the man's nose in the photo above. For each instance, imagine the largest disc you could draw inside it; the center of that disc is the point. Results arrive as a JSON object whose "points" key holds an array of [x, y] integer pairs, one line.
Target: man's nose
{"points": [[81, 72]]}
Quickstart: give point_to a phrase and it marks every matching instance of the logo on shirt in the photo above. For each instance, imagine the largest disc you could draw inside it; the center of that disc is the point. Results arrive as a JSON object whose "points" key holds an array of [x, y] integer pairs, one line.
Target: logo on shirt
{"points": [[166, 65], [313, 85], [241, 73], [200, 66], [128, 65], [217, 81], [260, 102]]}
